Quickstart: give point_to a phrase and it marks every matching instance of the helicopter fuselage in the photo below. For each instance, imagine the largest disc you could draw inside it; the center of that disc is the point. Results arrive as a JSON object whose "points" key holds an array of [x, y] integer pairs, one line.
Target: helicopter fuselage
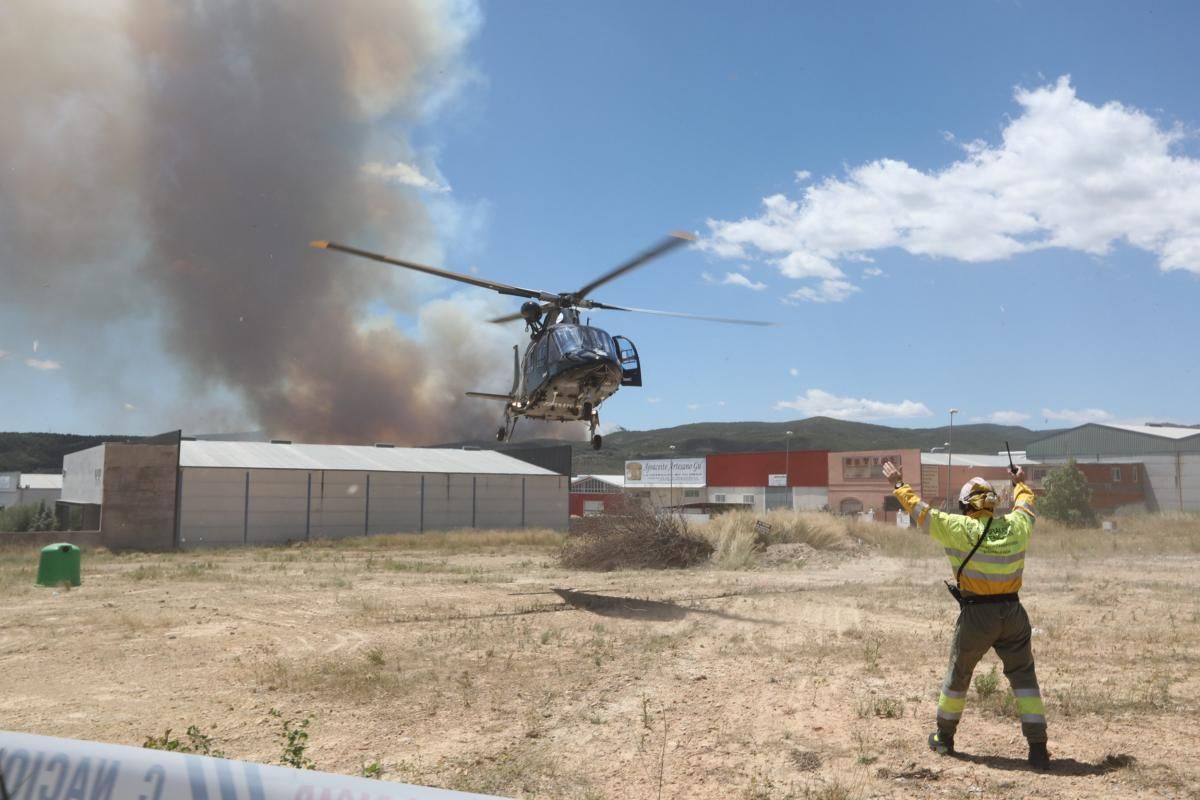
{"points": [[569, 370]]}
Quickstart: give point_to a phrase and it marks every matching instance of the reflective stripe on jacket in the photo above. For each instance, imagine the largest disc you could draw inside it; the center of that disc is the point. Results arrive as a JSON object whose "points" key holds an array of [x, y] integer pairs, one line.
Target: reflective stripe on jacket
{"points": [[998, 564]]}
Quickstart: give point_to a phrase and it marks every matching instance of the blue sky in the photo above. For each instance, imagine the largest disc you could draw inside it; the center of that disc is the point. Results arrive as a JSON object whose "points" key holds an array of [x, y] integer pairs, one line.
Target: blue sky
{"points": [[986, 206], [596, 127]]}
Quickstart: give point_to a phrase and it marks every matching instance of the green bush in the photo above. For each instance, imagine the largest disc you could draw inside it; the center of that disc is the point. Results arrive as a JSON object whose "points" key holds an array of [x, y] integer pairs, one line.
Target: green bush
{"points": [[1067, 497], [17, 518]]}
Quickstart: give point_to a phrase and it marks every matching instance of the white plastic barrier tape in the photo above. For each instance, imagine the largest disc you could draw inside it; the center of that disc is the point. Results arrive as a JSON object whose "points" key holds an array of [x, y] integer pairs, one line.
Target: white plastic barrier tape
{"points": [[47, 768]]}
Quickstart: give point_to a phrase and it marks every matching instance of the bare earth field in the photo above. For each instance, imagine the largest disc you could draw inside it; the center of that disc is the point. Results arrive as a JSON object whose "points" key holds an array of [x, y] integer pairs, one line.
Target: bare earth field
{"points": [[449, 662]]}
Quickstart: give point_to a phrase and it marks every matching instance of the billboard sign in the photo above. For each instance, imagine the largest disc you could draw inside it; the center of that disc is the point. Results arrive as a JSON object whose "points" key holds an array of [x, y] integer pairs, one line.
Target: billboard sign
{"points": [[777, 480], [666, 472]]}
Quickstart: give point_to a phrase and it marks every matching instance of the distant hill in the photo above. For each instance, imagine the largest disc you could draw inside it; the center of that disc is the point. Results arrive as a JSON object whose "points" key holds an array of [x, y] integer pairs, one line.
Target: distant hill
{"points": [[40, 452], [815, 433], [43, 452]]}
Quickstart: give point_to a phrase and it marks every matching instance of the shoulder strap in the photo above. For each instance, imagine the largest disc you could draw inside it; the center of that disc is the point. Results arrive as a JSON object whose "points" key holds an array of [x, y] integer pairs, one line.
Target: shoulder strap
{"points": [[982, 536]]}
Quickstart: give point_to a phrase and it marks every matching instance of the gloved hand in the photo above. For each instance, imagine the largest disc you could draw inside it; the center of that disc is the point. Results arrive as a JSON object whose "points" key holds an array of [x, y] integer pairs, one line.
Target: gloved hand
{"points": [[893, 473], [1018, 475]]}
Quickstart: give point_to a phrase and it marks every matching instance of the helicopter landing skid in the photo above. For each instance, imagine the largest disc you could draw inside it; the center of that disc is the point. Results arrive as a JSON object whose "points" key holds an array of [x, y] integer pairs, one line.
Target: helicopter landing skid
{"points": [[505, 431], [597, 440]]}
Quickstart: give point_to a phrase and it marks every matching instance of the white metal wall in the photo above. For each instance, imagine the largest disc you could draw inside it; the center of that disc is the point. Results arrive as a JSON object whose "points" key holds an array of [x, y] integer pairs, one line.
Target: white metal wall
{"points": [[395, 503], [224, 507], [277, 505], [212, 507], [83, 476], [546, 501]]}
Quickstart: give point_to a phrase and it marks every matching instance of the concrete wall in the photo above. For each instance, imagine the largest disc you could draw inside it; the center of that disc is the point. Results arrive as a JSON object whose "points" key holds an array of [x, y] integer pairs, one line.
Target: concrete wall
{"points": [[139, 496], [83, 476]]}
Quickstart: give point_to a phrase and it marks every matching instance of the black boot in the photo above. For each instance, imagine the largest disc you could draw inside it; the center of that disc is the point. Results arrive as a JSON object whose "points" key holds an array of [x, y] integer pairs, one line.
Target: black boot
{"points": [[942, 743], [1039, 758]]}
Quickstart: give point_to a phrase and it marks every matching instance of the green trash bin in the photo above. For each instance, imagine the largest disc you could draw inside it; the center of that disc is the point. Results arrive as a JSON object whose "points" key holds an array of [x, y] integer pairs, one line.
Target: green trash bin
{"points": [[59, 564]]}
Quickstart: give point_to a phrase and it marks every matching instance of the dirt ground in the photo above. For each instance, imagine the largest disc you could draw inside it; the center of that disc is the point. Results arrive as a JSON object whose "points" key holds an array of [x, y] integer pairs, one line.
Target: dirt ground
{"points": [[810, 675]]}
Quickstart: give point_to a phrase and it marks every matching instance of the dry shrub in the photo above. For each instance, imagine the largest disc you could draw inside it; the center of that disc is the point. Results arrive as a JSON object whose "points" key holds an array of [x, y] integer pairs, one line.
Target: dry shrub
{"points": [[638, 539], [818, 530]]}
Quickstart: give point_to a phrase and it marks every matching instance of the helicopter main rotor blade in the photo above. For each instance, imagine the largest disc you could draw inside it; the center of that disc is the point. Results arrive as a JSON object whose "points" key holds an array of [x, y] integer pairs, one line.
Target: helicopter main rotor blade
{"points": [[666, 245], [546, 307], [502, 288], [607, 307]]}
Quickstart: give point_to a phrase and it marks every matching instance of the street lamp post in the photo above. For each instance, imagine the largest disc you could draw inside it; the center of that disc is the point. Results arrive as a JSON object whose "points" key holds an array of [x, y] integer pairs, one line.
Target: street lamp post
{"points": [[671, 484], [950, 457]]}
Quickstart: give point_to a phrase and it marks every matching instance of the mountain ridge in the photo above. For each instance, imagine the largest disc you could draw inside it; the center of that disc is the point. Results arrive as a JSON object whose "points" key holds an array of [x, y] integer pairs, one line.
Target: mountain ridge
{"points": [[43, 452]]}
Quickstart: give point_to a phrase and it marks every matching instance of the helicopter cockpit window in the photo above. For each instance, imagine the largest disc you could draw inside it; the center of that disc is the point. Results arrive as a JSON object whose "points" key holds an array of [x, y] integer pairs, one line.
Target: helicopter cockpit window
{"points": [[596, 339], [568, 339]]}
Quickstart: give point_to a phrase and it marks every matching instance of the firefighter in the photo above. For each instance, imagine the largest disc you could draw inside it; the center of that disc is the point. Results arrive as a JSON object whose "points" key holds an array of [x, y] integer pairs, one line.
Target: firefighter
{"points": [[987, 553]]}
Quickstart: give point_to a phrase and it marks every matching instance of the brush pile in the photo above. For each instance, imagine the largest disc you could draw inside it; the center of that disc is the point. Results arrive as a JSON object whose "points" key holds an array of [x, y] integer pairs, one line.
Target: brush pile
{"points": [[639, 539]]}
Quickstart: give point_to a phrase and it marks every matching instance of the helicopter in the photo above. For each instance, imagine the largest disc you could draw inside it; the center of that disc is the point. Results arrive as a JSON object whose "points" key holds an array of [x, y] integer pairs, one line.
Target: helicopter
{"points": [[569, 367]]}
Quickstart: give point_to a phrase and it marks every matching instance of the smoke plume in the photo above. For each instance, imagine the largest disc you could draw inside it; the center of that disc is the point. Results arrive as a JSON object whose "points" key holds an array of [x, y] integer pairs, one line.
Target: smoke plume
{"points": [[166, 164]]}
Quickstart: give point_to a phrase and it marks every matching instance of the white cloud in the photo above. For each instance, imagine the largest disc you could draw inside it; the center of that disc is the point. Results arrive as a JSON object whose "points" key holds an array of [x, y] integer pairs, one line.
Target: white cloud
{"points": [[818, 403], [1077, 416], [802, 175], [693, 407], [38, 363], [824, 292], [130, 407], [721, 403], [872, 272], [795, 373], [1064, 174], [1007, 417], [406, 174], [35, 345], [738, 279], [653, 400]]}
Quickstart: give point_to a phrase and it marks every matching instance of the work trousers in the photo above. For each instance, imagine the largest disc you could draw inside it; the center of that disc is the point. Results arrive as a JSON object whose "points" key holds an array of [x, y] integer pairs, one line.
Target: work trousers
{"points": [[1005, 627]]}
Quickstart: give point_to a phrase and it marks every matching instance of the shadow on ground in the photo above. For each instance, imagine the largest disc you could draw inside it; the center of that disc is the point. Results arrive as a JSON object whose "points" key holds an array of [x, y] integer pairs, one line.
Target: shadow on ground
{"points": [[633, 608], [1058, 766]]}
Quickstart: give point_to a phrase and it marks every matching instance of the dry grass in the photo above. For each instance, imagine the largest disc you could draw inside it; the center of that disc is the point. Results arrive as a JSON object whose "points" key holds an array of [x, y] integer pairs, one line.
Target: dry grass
{"points": [[458, 667], [464, 541]]}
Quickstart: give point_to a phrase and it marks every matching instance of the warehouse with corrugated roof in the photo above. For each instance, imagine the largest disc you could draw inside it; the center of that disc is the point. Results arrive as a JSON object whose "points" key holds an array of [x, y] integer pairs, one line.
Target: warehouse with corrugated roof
{"points": [[217, 494], [1170, 455]]}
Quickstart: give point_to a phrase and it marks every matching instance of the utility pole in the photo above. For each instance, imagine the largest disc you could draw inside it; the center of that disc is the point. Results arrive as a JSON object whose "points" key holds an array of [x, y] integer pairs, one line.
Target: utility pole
{"points": [[950, 459], [787, 472], [671, 478]]}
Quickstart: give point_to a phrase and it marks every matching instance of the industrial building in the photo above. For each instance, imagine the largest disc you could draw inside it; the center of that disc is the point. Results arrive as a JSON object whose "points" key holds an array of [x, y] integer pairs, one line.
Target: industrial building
{"points": [[852, 482], [710, 484], [1170, 456], [26, 489], [214, 493]]}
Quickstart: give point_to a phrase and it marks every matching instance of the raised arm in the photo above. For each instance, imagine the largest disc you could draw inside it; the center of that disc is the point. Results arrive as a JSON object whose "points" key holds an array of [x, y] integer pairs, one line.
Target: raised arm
{"points": [[949, 529], [1024, 501]]}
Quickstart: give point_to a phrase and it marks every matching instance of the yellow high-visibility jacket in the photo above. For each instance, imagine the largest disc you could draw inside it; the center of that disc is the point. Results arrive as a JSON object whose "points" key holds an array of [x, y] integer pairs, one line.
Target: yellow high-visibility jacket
{"points": [[998, 564]]}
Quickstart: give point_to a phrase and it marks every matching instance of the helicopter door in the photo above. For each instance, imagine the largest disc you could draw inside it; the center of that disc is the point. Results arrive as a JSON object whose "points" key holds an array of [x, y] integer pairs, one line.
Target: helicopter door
{"points": [[631, 365]]}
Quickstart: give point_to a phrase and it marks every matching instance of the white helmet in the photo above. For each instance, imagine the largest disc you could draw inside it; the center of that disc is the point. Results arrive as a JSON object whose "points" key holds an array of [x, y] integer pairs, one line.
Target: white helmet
{"points": [[977, 495]]}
